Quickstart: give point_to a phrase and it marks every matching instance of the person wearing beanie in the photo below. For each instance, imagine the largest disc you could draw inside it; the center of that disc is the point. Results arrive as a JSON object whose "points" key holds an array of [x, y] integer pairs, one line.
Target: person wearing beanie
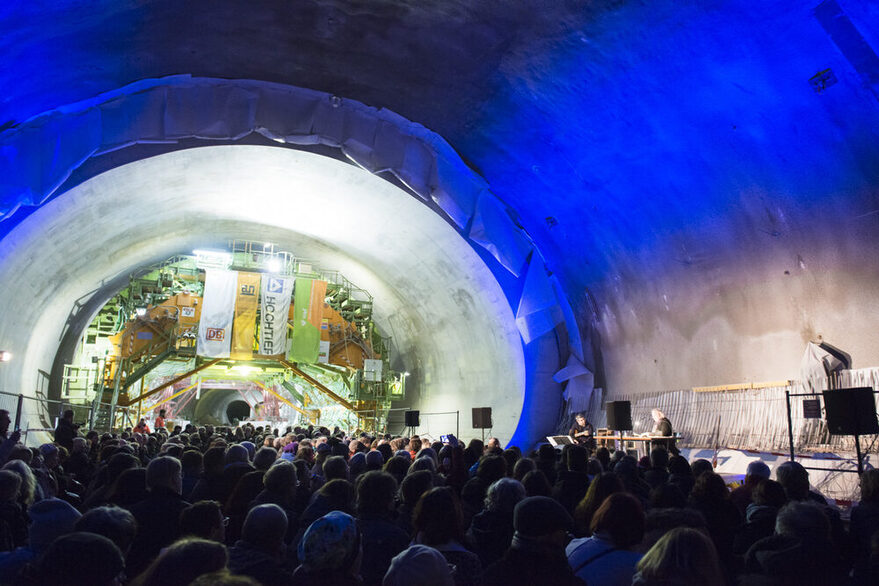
{"points": [[330, 551], [50, 519], [81, 559], [419, 565], [537, 553], [259, 554]]}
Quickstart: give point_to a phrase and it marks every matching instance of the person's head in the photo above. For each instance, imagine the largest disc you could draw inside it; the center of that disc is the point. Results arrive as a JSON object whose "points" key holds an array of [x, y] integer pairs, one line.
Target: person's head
{"points": [[542, 519], [68, 415], [415, 484], [338, 495], [191, 462], [162, 413], [491, 468], [203, 519], [667, 496], [769, 493], [701, 466], [757, 471], [599, 489], [165, 472], [281, 479], [438, 518], [50, 518], [656, 414], [679, 466], [800, 519], [682, 556], [375, 493], [5, 421], [82, 559], [213, 461], [264, 528], [184, 561], [264, 458], [129, 488], [870, 486], [492, 444], [418, 565], [621, 519], [115, 523], [577, 458], [795, 480], [10, 484], [580, 419], [523, 466], [237, 453], [536, 483], [709, 488], [335, 467], [503, 495], [332, 543], [659, 457], [49, 453], [223, 578], [28, 481]]}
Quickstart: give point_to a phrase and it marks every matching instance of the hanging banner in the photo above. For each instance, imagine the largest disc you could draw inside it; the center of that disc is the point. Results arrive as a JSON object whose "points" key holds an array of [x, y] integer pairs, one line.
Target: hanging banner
{"points": [[308, 304], [244, 326], [274, 309], [217, 311]]}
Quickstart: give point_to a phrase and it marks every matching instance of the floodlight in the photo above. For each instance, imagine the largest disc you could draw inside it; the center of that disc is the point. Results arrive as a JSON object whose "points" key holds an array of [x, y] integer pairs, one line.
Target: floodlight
{"points": [[274, 265], [5, 356]]}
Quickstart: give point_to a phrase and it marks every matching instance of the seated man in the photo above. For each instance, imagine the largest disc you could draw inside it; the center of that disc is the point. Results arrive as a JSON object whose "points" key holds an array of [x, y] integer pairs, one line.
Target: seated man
{"points": [[583, 432]]}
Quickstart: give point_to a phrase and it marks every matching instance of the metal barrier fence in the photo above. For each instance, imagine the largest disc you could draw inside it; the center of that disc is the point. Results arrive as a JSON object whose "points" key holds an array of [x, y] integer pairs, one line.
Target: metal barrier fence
{"points": [[34, 415]]}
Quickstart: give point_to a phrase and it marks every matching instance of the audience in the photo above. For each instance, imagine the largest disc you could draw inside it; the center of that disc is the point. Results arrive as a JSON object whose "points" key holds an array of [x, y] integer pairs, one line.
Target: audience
{"points": [[310, 506]]}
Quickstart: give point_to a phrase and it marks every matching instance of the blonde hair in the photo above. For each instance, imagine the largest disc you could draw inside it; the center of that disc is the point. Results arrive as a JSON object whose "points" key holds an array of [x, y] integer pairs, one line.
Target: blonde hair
{"points": [[682, 555]]}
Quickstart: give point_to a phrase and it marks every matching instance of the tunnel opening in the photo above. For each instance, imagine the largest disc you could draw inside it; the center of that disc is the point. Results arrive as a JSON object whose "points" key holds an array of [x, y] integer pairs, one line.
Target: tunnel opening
{"points": [[237, 411]]}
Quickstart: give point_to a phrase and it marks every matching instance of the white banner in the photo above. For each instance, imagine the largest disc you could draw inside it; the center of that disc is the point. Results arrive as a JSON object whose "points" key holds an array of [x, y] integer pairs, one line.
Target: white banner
{"points": [[274, 308], [217, 311]]}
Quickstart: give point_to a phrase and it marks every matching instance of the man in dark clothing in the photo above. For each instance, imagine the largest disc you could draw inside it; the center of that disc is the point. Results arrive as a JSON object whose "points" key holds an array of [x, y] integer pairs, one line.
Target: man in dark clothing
{"points": [[573, 482], [66, 430], [537, 554], [158, 514], [662, 428], [582, 432], [259, 554], [382, 539]]}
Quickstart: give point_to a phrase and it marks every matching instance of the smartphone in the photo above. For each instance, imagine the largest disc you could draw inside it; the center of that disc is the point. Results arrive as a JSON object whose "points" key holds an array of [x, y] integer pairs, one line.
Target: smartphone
{"points": [[444, 439]]}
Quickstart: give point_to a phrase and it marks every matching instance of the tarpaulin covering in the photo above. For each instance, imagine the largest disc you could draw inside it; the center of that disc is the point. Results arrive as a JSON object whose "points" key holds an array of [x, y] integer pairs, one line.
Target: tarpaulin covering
{"points": [[244, 325], [308, 303]]}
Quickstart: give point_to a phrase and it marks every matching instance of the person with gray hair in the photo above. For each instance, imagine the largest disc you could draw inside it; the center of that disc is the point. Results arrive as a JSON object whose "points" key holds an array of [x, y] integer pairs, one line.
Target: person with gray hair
{"points": [[742, 496], [801, 551], [158, 514], [491, 530], [114, 523], [259, 554]]}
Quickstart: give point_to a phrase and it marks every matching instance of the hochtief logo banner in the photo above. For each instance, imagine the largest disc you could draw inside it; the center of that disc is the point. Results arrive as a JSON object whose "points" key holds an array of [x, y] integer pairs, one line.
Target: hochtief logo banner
{"points": [[246, 302], [308, 304], [217, 311], [276, 292]]}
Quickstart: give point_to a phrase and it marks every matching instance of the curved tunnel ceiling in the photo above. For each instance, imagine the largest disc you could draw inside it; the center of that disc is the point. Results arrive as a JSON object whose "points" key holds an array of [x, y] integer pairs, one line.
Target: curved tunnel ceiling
{"points": [[450, 322], [703, 207]]}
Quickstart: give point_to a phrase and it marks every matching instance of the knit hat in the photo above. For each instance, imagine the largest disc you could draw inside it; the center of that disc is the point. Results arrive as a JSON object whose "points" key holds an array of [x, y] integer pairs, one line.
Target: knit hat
{"points": [[81, 558], [251, 449], [419, 565], [50, 519], [323, 448], [332, 541], [537, 516]]}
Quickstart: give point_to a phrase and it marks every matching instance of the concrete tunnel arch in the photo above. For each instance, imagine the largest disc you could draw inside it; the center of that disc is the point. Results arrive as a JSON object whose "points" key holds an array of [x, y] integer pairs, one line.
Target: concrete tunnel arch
{"points": [[475, 242]]}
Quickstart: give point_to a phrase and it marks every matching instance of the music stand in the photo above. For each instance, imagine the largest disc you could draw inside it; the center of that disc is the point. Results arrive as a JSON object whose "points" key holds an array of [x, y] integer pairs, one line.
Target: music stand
{"points": [[560, 440]]}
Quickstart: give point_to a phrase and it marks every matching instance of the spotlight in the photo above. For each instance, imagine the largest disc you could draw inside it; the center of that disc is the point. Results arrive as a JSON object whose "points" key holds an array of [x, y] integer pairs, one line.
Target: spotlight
{"points": [[5, 356], [406, 373], [274, 265], [140, 311]]}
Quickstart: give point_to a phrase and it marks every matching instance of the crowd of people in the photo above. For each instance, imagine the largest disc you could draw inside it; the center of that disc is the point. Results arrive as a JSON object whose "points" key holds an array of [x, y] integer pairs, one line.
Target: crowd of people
{"points": [[313, 506]]}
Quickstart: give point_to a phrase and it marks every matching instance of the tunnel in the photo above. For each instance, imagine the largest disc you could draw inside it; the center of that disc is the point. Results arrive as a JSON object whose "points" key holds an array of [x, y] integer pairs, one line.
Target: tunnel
{"points": [[553, 208]]}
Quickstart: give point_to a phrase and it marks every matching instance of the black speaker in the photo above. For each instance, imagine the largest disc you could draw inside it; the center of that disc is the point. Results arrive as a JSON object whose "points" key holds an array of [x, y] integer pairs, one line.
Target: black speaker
{"points": [[482, 418], [413, 418], [851, 411], [619, 415]]}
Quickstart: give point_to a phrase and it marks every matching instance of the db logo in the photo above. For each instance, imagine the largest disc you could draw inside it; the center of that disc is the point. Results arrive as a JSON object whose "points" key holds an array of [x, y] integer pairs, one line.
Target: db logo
{"points": [[248, 289], [276, 286], [216, 334]]}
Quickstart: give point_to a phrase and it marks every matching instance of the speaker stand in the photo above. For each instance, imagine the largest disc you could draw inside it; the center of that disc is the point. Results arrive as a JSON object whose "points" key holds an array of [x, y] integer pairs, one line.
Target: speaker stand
{"points": [[858, 454]]}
